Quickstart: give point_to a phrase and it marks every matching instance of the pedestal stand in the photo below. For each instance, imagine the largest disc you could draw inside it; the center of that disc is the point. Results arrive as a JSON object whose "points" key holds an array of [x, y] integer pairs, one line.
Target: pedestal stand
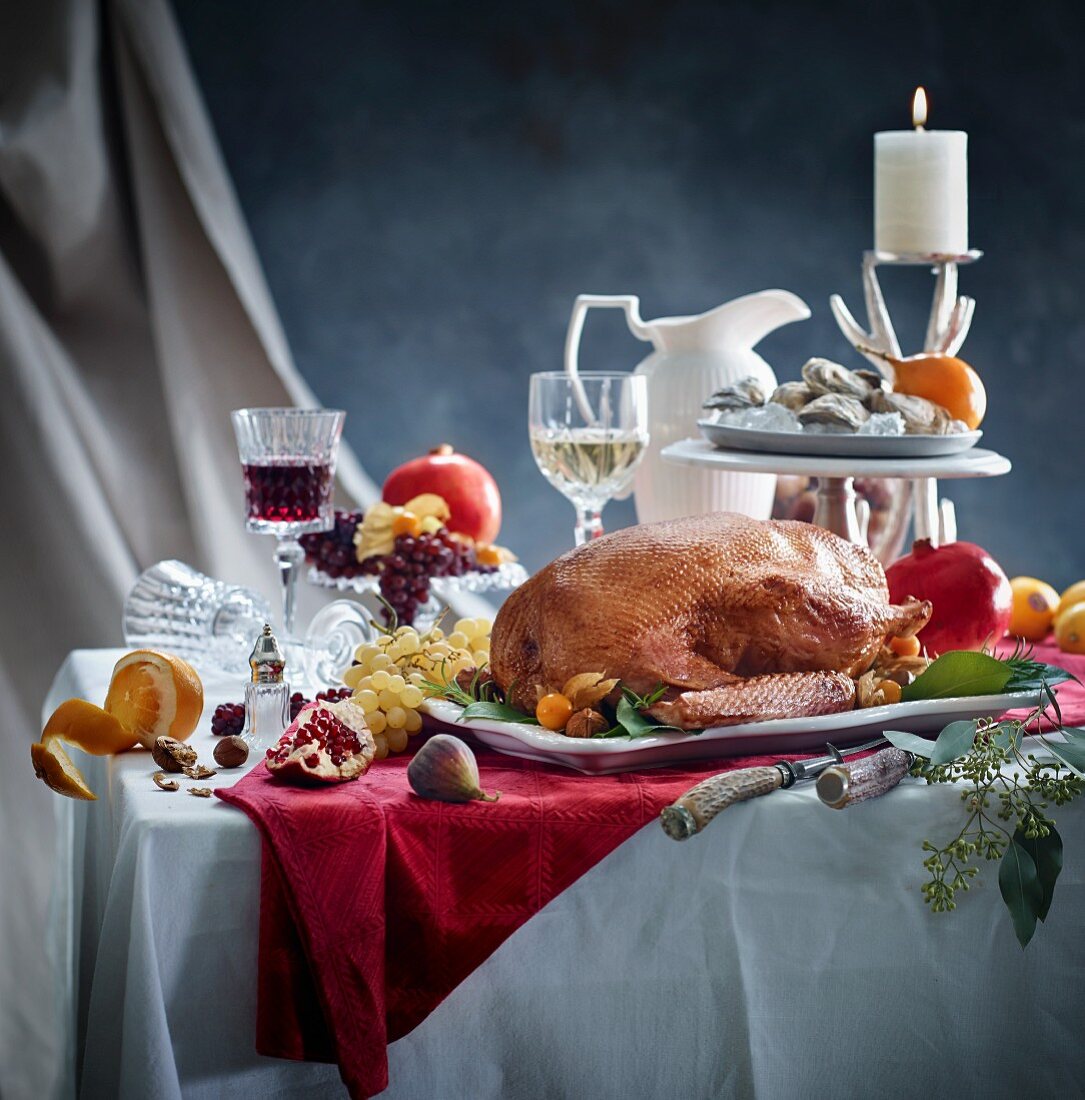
{"points": [[835, 508]]}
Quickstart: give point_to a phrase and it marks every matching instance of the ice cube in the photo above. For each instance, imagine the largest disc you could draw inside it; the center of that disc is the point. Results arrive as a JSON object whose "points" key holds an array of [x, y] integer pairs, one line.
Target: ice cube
{"points": [[769, 418], [818, 428], [883, 424]]}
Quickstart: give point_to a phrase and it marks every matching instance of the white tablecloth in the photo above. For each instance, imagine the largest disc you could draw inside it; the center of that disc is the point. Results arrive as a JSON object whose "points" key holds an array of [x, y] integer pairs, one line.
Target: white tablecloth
{"points": [[785, 953]]}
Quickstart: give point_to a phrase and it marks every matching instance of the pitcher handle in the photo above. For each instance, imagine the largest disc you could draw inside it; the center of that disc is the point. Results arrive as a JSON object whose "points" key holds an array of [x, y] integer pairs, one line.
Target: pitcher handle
{"points": [[630, 303]]}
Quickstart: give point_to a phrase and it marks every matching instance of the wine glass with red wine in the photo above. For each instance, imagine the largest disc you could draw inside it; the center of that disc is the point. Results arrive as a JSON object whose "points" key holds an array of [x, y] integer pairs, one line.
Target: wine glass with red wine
{"points": [[288, 459]]}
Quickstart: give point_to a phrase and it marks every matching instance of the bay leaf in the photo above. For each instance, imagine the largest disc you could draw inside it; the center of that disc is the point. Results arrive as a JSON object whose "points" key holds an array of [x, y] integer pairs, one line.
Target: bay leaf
{"points": [[956, 674]]}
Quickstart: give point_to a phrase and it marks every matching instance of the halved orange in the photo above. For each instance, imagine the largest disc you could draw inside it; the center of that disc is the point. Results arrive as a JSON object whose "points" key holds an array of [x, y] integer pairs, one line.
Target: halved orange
{"points": [[94, 730], [54, 767], [154, 695]]}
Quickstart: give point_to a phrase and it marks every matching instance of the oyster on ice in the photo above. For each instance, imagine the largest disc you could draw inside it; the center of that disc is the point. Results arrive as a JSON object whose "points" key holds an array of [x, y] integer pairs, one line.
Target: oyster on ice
{"points": [[877, 381], [823, 376], [835, 410], [921, 417], [792, 395], [747, 393]]}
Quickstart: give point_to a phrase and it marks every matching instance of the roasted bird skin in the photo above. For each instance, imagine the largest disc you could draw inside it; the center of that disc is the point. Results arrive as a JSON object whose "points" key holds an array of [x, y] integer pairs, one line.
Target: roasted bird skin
{"points": [[709, 602]]}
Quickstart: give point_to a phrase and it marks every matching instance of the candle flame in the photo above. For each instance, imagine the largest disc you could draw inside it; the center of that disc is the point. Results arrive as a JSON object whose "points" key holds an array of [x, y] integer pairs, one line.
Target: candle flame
{"points": [[919, 108]]}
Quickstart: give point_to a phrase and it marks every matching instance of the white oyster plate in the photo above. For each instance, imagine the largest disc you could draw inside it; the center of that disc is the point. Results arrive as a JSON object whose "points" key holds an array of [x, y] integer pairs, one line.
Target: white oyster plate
{"points": [[837, 443]]}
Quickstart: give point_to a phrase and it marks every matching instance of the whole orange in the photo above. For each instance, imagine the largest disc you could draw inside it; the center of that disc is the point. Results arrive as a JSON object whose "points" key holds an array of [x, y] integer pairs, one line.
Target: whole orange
{"points": [[945, 380], [1034, 605], [1070, 629], [1071, 596]]}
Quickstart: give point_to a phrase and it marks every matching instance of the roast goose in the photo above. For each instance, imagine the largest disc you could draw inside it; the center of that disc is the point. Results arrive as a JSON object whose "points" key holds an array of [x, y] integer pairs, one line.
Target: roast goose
{"points": [[741, 619]]}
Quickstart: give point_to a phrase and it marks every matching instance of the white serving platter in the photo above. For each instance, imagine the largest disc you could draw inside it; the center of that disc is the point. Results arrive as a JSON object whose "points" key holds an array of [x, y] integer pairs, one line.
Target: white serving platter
{"points": [[604, 756], [840, 444]]}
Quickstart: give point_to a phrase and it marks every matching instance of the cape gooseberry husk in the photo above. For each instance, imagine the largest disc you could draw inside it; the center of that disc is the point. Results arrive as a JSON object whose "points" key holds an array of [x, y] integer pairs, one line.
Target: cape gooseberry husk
{"points": [[444, 768]]}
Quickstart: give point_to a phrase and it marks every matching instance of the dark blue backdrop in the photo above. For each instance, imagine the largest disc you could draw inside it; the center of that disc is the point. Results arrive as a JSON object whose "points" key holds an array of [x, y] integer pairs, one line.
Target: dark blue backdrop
{"points": [[429, 187]]}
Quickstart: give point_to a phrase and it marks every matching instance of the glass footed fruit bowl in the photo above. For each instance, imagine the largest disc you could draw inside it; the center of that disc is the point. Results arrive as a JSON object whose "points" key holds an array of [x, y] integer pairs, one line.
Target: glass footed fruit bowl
{"points": [[412, 561]]}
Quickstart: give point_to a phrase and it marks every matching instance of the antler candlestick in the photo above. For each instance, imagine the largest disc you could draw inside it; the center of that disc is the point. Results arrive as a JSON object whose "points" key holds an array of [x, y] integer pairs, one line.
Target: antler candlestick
{"points": [[950, 319]]}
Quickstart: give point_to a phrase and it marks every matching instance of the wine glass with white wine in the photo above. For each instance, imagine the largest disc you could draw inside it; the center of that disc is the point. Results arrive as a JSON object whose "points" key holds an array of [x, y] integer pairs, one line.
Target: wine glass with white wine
{"points": [[588, 434]]}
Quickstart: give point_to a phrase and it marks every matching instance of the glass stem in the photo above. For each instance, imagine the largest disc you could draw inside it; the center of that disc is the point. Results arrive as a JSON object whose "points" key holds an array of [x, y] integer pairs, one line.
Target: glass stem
{"points": [[589, 524], [289, 555]]}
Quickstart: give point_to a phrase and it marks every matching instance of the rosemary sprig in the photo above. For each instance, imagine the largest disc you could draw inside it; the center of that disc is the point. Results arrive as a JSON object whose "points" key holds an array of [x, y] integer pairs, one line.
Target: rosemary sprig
{"points": [[643, 702], [1028, 674]]}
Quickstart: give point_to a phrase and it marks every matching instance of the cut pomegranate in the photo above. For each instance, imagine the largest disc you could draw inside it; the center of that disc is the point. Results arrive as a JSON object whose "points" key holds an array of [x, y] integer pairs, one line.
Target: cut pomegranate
{"points": [[328, 742]]}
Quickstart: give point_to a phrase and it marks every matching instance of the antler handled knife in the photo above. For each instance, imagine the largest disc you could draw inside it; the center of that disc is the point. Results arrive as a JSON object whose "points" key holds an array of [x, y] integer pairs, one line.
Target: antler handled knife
{"points": [[700, 804], [840, 785]]}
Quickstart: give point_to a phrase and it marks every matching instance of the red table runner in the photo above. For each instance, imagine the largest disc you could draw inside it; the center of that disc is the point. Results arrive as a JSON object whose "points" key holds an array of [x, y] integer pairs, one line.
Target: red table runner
{"points": [[375, 903]]}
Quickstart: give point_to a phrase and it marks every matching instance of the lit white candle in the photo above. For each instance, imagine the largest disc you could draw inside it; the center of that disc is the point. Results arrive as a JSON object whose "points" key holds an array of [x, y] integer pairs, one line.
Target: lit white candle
{"points": [[921, 188]]}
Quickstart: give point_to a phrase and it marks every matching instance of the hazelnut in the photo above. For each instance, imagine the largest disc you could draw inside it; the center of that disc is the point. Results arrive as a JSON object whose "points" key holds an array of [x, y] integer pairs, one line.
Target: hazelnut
{"points": [[231, 752], [172, 755], [586, 723]]}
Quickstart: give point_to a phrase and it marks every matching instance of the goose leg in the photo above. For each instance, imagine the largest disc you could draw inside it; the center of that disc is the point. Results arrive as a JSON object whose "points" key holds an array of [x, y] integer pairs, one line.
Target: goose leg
{"points": [[758, 699]]}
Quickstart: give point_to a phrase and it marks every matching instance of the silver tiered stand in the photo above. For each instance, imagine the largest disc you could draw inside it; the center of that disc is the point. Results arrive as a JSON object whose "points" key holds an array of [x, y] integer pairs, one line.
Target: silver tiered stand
{"points": [[947, 328]]}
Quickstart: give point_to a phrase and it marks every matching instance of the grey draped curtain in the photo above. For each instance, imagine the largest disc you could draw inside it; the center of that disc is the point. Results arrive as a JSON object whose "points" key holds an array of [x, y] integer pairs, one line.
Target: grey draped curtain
{"points": [[133, 316]]}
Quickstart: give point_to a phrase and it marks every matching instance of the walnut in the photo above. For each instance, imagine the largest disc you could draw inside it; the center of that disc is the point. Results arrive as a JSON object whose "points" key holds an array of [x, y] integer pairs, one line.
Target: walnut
{"points": [[198, 771], [163, 782], [172, 755], [200, 792], [586, 723], [231, 752]]}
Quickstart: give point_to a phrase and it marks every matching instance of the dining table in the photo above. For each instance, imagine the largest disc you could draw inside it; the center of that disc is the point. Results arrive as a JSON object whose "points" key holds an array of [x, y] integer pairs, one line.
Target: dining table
{"points": [[786, 951]]}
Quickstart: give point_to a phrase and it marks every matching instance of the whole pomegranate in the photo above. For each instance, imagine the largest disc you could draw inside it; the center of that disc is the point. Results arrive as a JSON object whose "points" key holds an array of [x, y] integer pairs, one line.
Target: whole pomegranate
{"points": [[970, 593], [327, 743], [466, 486]]}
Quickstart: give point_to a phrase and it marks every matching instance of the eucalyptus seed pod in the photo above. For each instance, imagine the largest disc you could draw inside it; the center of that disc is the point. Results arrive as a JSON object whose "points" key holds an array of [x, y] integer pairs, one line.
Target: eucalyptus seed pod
{"points": [[444, 769]]}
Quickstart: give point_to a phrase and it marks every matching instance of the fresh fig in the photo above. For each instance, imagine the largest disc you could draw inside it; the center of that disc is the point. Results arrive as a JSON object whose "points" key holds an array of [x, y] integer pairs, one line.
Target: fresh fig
{"points": [[326, 743], [444, 769]]}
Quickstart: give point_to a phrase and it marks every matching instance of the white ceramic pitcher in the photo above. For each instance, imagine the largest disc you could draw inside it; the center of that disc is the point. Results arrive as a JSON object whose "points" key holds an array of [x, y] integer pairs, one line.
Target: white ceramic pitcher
{"points": [[693, 357]]}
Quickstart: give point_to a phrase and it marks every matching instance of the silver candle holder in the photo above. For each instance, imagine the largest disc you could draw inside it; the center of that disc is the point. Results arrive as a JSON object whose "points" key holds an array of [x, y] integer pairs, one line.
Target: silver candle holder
{"points": [[947, 328]]}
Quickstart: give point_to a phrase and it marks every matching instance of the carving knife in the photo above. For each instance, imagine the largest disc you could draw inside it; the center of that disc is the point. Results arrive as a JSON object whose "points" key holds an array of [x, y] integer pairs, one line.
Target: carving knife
{"points": [[841, 784], [700, 804]]}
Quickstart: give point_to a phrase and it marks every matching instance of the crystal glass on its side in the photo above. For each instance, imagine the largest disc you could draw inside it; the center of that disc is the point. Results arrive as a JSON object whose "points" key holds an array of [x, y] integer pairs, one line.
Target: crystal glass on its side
{"points": [[288, 460], [588, 433], [177, 608]]}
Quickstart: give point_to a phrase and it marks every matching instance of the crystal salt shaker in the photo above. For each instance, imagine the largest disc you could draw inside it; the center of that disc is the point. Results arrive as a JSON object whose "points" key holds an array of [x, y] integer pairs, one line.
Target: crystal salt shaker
{"points": [[267, 695]]}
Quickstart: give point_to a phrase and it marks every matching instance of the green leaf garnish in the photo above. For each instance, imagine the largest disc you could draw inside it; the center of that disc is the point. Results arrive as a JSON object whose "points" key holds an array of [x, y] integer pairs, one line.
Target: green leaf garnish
{"points": [[1019, 882], [1046, 852], [910, 742], [496, 712], [959, 673], [635, 724], [953, 742], [1072, 754]]}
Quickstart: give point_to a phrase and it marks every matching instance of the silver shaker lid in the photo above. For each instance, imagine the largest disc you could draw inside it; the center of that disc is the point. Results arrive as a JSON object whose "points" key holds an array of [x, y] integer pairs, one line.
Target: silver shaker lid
{"points": [[266, 660]]}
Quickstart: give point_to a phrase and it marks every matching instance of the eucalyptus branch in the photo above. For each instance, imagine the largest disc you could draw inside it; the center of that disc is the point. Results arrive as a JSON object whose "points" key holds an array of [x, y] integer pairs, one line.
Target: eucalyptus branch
{"points": [[1020, 833]]}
